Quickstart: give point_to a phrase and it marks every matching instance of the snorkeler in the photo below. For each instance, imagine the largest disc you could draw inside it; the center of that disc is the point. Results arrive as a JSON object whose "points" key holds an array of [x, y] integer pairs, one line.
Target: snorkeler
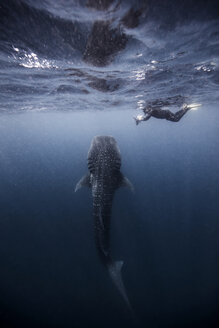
{"points": [[161, 113]]}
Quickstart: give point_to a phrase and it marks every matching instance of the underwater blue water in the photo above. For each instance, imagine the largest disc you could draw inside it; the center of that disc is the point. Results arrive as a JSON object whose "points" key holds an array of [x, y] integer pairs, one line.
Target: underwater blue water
{"points": [[52, 102]]}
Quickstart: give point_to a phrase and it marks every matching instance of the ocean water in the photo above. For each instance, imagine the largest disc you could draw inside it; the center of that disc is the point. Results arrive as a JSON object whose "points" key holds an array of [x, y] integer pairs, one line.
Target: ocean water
{"points": [[71, 70]]}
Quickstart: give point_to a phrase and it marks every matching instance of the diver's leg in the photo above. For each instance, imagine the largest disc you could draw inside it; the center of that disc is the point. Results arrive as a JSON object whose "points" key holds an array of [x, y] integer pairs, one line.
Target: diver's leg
{"points": [[175, 117]]}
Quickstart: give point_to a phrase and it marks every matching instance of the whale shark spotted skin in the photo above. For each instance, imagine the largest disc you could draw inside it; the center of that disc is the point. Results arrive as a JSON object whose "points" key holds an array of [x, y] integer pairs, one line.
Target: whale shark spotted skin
{"points": [[104, 177]]}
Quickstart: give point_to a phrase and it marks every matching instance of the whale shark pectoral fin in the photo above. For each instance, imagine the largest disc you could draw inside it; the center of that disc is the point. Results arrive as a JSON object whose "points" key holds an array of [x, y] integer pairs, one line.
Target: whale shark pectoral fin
{"points": [[126, 183], [85, 181]]}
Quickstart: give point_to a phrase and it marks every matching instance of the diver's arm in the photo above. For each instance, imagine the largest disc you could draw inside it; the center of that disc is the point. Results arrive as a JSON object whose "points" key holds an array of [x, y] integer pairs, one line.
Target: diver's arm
{"points": [[147, 117], [140, 118]]}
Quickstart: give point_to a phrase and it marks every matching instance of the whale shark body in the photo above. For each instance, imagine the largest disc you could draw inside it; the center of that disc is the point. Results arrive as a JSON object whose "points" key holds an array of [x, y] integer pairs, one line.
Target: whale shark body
{"points": [[104, 177]]}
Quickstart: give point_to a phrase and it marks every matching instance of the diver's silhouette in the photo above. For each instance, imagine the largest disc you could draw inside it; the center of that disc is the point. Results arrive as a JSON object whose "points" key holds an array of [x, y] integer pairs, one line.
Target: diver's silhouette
{"points": [[161, 113]]}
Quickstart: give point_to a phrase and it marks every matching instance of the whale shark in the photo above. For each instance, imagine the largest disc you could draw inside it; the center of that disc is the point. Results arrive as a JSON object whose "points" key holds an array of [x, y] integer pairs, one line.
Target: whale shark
{"points": [[104, 178]]}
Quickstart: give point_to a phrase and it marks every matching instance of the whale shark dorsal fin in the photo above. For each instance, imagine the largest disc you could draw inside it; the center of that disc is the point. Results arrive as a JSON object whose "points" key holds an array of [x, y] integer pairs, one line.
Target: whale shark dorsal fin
{"points": [[126, 183], [83, 182]]}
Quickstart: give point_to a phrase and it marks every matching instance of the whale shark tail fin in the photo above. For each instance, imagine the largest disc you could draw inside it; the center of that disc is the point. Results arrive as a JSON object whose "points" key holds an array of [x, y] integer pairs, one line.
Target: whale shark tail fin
{"points": [[116, 276], [118, 266]]}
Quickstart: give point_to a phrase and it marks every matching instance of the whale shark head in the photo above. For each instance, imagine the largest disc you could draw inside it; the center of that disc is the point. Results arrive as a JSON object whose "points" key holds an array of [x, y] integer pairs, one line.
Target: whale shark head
{"points": [[101, 141], [104, 162], [104, 154]]}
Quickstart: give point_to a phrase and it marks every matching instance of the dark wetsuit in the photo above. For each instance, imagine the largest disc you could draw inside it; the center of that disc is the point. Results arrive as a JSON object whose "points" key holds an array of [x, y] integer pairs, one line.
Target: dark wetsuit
{"points": [[163, 114]]}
